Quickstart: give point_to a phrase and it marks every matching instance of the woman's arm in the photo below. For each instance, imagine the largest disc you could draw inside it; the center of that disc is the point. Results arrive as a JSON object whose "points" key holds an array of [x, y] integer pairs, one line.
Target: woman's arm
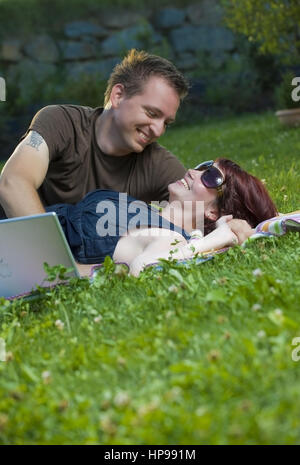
{"points": [[159, 248], [84, 270]]}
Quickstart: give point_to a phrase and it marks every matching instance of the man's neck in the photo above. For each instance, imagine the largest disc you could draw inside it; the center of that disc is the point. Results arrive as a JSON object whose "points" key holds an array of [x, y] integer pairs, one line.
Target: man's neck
{"points": [[106, 135]]}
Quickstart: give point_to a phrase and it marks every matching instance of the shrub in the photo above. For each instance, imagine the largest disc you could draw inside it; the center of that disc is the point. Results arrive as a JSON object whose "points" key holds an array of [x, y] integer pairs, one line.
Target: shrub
{"points": [[274, 25], [86, 90], [235, 86]]}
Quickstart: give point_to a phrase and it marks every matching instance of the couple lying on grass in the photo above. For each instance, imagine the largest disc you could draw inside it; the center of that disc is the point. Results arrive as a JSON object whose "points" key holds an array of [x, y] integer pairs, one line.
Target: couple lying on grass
{"points": [[132, 232]]}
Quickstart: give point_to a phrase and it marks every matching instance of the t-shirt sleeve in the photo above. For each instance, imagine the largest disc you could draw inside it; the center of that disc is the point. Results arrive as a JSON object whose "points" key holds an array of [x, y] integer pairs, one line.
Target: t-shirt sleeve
{"points": [[167, 169], [52, 123]]}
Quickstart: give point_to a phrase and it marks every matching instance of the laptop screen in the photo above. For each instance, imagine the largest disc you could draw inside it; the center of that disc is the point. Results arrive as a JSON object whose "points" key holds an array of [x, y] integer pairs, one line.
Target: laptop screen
{"points": [[26, 243]]}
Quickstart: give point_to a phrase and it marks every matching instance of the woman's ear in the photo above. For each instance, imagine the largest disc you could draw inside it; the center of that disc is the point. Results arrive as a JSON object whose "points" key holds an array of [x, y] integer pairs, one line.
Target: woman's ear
{"points": [[212, 213], [117, 95]]}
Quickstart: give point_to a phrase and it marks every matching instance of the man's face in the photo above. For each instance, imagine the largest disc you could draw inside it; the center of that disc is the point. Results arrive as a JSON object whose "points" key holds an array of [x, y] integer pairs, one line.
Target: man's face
{"points": [[143, 118]]}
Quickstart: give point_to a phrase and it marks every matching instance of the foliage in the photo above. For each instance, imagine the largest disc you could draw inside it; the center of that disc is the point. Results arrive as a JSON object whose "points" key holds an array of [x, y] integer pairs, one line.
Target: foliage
{"points": [[244, 82], [272, 23], [3, 120], [86, 89], [24, 94], [186, 355], [235, 88], [56, 272]]}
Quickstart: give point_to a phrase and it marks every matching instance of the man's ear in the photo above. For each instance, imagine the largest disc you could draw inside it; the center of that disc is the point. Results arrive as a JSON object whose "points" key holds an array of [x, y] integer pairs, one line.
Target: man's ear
{"points": [[117, 95]]}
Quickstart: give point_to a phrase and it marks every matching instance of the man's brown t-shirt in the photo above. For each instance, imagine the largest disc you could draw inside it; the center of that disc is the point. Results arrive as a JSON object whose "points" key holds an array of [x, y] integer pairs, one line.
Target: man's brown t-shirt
{"points": [[77, 165]]}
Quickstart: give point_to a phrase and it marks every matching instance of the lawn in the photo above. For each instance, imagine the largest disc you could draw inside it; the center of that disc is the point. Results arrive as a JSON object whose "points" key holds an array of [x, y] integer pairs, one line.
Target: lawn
{"points": [[198, 355]]}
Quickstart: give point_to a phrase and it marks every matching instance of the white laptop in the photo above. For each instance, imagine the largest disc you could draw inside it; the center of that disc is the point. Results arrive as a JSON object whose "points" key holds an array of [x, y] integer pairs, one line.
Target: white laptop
{"points": [[25, 244]]}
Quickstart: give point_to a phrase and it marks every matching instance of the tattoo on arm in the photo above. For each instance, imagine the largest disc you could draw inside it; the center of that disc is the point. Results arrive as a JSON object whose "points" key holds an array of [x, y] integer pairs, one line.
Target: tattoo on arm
{"points": [[35, 140]]}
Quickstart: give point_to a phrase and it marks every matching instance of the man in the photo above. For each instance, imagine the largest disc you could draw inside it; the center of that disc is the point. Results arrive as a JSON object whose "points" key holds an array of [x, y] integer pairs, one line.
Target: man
{"points": [[70, 150]]}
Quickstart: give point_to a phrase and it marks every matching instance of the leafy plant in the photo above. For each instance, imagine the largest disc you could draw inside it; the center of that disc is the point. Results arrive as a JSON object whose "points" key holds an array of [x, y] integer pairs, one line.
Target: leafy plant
{"points": [[86, 89], [25, 94], [56, 272], [274, 24], [235, 88]]}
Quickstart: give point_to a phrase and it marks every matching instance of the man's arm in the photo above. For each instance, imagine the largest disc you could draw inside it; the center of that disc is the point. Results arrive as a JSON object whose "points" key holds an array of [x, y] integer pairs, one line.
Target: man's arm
{"points": [[22, 175]]}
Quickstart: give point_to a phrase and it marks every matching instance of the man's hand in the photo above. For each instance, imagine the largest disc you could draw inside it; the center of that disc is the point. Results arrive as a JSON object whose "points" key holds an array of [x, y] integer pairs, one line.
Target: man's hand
{"points": [[241, 229]]}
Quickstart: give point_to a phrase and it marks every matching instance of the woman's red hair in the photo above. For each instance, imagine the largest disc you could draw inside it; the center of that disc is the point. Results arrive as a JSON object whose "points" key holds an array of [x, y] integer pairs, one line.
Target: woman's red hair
{"points": [[244, 195]]}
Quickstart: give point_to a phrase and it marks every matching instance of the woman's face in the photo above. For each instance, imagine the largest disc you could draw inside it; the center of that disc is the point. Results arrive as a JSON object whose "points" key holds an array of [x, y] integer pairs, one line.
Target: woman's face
{"points": [[190, 188]]}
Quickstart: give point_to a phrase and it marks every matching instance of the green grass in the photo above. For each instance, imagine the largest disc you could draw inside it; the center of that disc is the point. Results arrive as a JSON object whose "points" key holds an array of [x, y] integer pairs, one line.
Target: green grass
{"points": [[188, 356]]}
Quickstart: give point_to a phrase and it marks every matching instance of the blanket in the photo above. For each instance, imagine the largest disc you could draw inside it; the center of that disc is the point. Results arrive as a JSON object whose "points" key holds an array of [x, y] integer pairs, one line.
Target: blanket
{"points": [[279, 225]]}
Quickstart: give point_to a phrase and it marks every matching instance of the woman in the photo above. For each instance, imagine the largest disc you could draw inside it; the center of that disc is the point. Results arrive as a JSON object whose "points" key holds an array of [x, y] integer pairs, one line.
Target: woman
{"points": [[108, 223]]}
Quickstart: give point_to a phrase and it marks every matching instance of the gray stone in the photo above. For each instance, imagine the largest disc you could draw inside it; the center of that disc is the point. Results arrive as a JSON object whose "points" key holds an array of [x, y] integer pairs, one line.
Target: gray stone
{"points": [[202, 38], [115, 45], [11, 50], [121, 19], [42, 48], [28, 69], [207, 12], [168, 18], [102, 68], [77, 29], [221, 38], [186, 61], [90, 40], [134, 37], [27, 75], [73, 51], [156, 38], [184, 39]]}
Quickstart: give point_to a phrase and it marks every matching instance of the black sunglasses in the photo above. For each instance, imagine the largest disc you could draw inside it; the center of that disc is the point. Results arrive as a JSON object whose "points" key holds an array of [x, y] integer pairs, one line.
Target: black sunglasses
{"points": [[211, 177]]}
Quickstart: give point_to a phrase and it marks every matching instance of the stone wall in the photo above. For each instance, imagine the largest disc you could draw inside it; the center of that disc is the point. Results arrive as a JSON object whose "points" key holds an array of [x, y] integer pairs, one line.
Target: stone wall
{"points": [[94, 46]]}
